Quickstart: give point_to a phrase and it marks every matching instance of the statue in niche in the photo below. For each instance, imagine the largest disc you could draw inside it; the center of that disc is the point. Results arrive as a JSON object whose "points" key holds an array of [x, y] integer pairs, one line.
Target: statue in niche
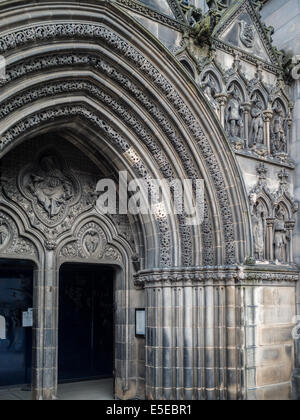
{"points": [[50, 186], [280, 236], [210, 90], [258, 224], [91, 241], [278, 136], [257, 124], [4, 233], [246, 34], [233, 115]]}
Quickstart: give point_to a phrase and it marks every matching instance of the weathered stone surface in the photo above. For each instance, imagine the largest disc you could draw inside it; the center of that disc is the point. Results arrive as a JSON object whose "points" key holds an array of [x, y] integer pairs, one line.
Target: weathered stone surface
{"points": [[220, 298]]}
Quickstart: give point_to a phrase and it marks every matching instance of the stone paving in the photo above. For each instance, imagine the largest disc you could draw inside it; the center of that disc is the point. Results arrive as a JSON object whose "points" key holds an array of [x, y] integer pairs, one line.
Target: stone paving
{"points": [[89, 390]]}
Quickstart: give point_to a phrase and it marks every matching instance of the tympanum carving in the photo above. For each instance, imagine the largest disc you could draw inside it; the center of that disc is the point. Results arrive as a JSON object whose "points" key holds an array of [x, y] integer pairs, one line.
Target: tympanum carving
{"points": [[51, 188], [92, 243]]}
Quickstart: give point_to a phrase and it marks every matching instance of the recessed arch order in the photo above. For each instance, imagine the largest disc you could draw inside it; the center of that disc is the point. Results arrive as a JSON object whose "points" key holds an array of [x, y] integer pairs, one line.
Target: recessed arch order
{"points": [[92, 74], [128, 88]]}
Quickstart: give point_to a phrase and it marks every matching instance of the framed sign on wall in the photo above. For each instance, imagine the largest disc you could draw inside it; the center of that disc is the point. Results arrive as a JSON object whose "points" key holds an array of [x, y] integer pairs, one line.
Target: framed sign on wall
{"points": [[140, 322]]}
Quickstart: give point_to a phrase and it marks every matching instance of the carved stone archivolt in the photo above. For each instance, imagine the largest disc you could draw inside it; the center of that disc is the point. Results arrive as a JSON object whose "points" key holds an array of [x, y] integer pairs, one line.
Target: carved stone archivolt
{"points": [[144, 65], [91, 243]]}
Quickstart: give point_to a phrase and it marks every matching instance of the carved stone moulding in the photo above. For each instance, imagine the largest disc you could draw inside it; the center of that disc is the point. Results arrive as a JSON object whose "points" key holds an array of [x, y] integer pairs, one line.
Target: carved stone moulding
{"points": [[122, 47], [217, 276]]}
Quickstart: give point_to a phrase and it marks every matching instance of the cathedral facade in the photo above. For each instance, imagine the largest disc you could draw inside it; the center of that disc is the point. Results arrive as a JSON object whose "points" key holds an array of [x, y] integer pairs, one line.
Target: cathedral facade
{"points": [[161, 89]]}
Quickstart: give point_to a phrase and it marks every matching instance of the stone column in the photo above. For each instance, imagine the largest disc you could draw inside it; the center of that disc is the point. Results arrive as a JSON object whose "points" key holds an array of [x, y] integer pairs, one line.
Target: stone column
{"points": [[45, 333], [246, 110], [270, 248], [290, 226], [288, 137], [268, 117], [222, 100], [194, 341]]}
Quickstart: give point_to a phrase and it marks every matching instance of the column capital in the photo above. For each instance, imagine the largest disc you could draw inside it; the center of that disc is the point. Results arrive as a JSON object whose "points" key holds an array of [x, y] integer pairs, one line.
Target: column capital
{"points": [[268, 115], [221, 98], [270, 221]]}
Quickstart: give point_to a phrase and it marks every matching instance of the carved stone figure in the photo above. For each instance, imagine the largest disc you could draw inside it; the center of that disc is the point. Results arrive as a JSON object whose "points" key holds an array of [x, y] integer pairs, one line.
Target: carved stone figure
{"points": [[246, 34], [258, 232], [234, 120], [50, 186], [210, 89], [4, 233], [257, 124], [278, 136], [91, 241], [280, 237]]}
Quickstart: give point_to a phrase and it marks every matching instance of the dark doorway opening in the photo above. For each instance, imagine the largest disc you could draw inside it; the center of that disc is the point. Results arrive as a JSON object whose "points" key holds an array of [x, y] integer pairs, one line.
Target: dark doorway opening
{"points": [[86, 322], [16, 317]]}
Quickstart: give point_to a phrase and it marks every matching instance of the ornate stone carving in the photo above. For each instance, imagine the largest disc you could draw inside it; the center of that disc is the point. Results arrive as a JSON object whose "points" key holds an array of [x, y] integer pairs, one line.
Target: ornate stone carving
{"points": [[50, 187], [273, 217], [259, 231], [280, 237], [278, 132], [246, 34], [210, 90], [124, 48], [10, 240], [111, 254], [91, 242], [257, 125], [4, 234], [234, 118]]}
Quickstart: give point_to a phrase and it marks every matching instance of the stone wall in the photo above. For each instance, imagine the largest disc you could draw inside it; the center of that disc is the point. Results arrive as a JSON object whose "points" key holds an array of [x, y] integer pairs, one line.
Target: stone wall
{"points": [[269, 343], [284, 16]]}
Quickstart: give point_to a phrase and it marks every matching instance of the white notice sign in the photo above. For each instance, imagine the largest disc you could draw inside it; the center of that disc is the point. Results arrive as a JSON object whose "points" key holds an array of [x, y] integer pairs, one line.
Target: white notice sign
{"points": [[27, 318], [140, 322]]}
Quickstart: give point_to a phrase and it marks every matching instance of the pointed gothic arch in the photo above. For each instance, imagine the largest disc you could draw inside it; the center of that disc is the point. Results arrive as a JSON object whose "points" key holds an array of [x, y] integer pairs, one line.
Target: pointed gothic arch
{"points": [[119, 93]]}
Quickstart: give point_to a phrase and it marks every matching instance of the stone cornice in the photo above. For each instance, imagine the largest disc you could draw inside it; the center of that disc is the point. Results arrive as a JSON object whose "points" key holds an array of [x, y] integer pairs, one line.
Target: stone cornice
{"points": [[227, 275]]}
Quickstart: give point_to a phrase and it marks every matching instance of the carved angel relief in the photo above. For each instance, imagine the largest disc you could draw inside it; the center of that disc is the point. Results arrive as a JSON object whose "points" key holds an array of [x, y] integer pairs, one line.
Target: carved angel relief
{"points": [[50, 187]]}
